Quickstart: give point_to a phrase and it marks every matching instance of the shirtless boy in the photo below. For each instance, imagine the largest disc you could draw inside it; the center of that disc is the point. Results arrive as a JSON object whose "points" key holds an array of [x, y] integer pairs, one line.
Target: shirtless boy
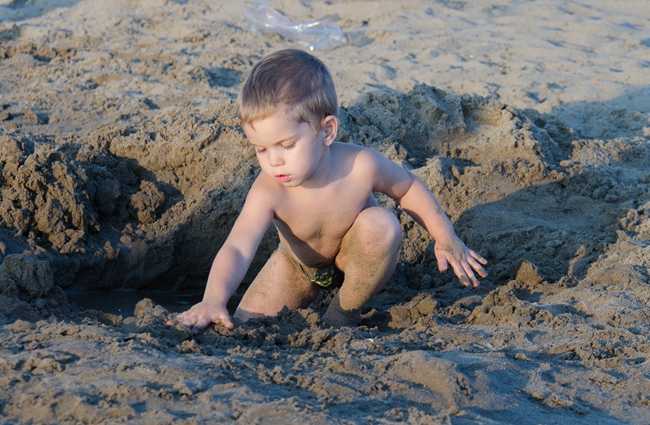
{"points": [[319, 195]]}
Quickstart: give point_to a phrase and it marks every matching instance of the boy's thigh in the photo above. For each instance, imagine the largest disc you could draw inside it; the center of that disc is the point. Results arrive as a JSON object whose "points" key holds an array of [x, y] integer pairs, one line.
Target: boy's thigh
{"points": [[278, 284]]}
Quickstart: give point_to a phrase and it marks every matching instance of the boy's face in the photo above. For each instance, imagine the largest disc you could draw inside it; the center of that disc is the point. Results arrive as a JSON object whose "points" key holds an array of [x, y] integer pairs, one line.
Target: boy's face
{"points": [[289, 151]]}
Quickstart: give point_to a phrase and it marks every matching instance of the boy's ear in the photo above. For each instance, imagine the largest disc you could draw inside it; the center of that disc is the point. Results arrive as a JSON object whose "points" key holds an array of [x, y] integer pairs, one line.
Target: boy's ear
{"points": [[330, 127]]}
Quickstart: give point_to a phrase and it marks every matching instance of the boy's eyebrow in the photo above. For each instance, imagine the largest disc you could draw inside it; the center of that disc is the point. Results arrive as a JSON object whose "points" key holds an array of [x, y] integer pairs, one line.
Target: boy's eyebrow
{"points": [[286, 139]]}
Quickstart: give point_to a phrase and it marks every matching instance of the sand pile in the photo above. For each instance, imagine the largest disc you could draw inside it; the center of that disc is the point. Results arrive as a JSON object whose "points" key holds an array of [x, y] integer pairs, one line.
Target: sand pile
{"points": [[127, 206], [122, 165], [149, 204]]}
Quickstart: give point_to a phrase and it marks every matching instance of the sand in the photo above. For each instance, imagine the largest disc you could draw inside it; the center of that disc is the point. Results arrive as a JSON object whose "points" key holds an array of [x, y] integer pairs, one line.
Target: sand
{"points": [[123, 167]]}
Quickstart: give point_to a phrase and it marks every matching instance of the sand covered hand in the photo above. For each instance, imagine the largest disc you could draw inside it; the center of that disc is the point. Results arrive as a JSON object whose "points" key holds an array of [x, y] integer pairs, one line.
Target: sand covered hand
{"points": [[202, 315], [463, 261]]}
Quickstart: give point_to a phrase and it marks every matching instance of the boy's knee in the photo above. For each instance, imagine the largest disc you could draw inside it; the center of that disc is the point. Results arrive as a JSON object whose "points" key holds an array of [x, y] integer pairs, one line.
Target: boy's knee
{"points": [[379, 225]]}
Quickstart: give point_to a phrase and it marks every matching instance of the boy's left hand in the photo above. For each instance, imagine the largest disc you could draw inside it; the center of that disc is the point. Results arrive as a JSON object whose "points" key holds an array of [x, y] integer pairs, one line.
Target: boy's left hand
{"points": [[462, 260]]}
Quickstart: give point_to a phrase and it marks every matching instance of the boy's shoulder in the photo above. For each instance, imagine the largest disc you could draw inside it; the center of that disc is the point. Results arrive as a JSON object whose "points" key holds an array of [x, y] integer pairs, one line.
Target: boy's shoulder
{"points": [[360, 163], [359, 154], [349, 149]]}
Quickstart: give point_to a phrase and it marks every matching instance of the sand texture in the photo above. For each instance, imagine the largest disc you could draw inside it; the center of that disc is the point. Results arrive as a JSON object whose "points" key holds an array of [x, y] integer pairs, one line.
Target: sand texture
{"points": [[123, 166]]}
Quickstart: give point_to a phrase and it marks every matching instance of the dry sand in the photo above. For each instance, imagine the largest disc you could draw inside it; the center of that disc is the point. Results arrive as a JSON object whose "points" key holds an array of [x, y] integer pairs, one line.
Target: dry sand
{"points": [[122, 165]]}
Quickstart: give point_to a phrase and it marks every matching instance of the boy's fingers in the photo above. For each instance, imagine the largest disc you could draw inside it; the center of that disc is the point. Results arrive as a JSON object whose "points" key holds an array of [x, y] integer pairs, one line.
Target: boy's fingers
{"points": [[467, 276], [176, 319], [459, 271], [477, 257], [189, 320], [477, 267], [196, 329], [475, 281], [224, 320], [464, 269], [443, 265], [196, 321], [189, 323], [481, 271], [227, 323]]}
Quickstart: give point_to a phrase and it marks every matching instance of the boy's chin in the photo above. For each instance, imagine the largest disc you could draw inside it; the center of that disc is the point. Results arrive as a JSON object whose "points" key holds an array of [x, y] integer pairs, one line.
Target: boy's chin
{"points": [[290, 183]]}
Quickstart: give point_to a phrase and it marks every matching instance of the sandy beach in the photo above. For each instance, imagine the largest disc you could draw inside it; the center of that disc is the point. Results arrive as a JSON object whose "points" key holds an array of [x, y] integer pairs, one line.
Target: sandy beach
{"points": [[123, 168]]}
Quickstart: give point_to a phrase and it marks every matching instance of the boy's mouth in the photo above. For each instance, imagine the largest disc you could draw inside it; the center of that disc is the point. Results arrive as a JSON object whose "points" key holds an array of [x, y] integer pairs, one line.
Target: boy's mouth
{"points": [[283, 178]]}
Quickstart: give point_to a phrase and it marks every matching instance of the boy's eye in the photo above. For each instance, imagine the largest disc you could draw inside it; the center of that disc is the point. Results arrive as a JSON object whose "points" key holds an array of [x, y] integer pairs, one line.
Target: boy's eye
{"points": [[289, 146], [259, 150]]}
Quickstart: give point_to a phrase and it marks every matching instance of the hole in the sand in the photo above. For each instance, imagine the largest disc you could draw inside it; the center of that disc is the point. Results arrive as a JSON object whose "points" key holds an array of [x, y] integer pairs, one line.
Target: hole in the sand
{"points": [[122, 301]]}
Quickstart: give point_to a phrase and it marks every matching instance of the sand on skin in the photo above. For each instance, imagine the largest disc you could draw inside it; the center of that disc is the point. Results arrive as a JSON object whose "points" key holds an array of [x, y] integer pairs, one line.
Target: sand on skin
{"points": [[122, 165]]}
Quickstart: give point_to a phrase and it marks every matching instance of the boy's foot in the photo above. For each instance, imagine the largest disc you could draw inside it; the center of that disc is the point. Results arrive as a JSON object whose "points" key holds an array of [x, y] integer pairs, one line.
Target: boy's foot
{"points": [[337, 317]]}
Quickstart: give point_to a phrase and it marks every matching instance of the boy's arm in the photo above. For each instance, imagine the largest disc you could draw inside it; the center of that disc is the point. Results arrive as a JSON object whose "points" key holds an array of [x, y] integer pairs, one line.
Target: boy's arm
{"points": [[419, 202], [231, 263]]}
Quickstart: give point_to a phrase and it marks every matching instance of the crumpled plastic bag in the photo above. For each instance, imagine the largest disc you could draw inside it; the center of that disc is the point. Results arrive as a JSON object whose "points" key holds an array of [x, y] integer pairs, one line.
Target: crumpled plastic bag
{"points": [[315, 35]]}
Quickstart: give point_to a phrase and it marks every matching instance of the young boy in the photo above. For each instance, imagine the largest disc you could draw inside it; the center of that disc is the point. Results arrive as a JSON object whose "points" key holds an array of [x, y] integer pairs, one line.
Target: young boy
{"points": [[319, 195]]}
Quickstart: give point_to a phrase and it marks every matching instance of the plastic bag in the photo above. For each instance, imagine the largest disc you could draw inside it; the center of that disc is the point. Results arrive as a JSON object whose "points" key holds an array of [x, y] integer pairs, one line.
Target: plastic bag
{"points": [[316, 35]]}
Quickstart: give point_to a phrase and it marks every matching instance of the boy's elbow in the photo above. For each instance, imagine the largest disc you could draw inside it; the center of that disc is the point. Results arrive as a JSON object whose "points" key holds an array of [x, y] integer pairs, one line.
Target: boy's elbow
{"points": [[406, 189]]}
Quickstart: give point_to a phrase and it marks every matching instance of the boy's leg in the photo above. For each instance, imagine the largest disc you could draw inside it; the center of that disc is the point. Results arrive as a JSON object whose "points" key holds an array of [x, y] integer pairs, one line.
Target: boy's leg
{"points": [[368, 256], [276, 285]]}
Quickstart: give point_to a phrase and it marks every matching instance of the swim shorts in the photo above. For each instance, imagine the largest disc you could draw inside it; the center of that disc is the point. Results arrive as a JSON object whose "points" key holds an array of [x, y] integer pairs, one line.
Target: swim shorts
{"points": [[328, 276]]}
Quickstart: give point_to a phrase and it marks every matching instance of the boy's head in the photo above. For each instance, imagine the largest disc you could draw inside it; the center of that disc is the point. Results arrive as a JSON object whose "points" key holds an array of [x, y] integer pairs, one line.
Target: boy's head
{"points": [[290, 79]]}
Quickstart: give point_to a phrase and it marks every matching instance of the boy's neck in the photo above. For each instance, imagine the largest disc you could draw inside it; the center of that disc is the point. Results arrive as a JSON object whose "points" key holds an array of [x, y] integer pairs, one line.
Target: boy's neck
{"points": [[322, 174]]}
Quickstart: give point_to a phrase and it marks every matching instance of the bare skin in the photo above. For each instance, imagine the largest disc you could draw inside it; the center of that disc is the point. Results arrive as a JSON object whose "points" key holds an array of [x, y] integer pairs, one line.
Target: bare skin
{"points": [[318, 193], [368, 256]]}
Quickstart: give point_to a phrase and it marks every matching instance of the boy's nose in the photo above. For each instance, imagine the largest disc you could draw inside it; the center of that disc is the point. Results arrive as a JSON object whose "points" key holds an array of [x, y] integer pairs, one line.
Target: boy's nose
{"points": [[275, 158]]}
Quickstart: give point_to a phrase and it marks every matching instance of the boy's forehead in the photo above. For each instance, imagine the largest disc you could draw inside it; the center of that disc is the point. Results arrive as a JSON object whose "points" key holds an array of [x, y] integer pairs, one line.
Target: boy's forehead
{"points": [[274, 128], [279, 120]]}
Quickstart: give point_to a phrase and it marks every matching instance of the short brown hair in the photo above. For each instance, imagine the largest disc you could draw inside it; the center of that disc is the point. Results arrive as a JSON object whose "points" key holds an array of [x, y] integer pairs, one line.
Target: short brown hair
{"points": [[293, 79]]}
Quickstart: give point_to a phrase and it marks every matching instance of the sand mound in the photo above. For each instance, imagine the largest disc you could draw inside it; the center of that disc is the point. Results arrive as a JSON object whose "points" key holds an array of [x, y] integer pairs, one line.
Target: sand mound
{"points": [[125, 206], [149, 204]]}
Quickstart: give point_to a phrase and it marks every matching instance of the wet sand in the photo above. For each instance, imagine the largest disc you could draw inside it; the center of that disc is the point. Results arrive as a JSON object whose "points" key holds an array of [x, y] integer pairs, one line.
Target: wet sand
{"points": [[123, 167]]}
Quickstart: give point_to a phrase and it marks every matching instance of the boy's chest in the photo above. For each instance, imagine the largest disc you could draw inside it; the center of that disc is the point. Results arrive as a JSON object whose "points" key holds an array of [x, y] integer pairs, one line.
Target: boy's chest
{"points": [[321, 214]]}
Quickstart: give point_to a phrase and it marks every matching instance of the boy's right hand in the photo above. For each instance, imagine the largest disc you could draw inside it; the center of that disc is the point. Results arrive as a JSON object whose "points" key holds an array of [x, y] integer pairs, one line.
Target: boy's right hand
{"points": [[201, 315]]}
